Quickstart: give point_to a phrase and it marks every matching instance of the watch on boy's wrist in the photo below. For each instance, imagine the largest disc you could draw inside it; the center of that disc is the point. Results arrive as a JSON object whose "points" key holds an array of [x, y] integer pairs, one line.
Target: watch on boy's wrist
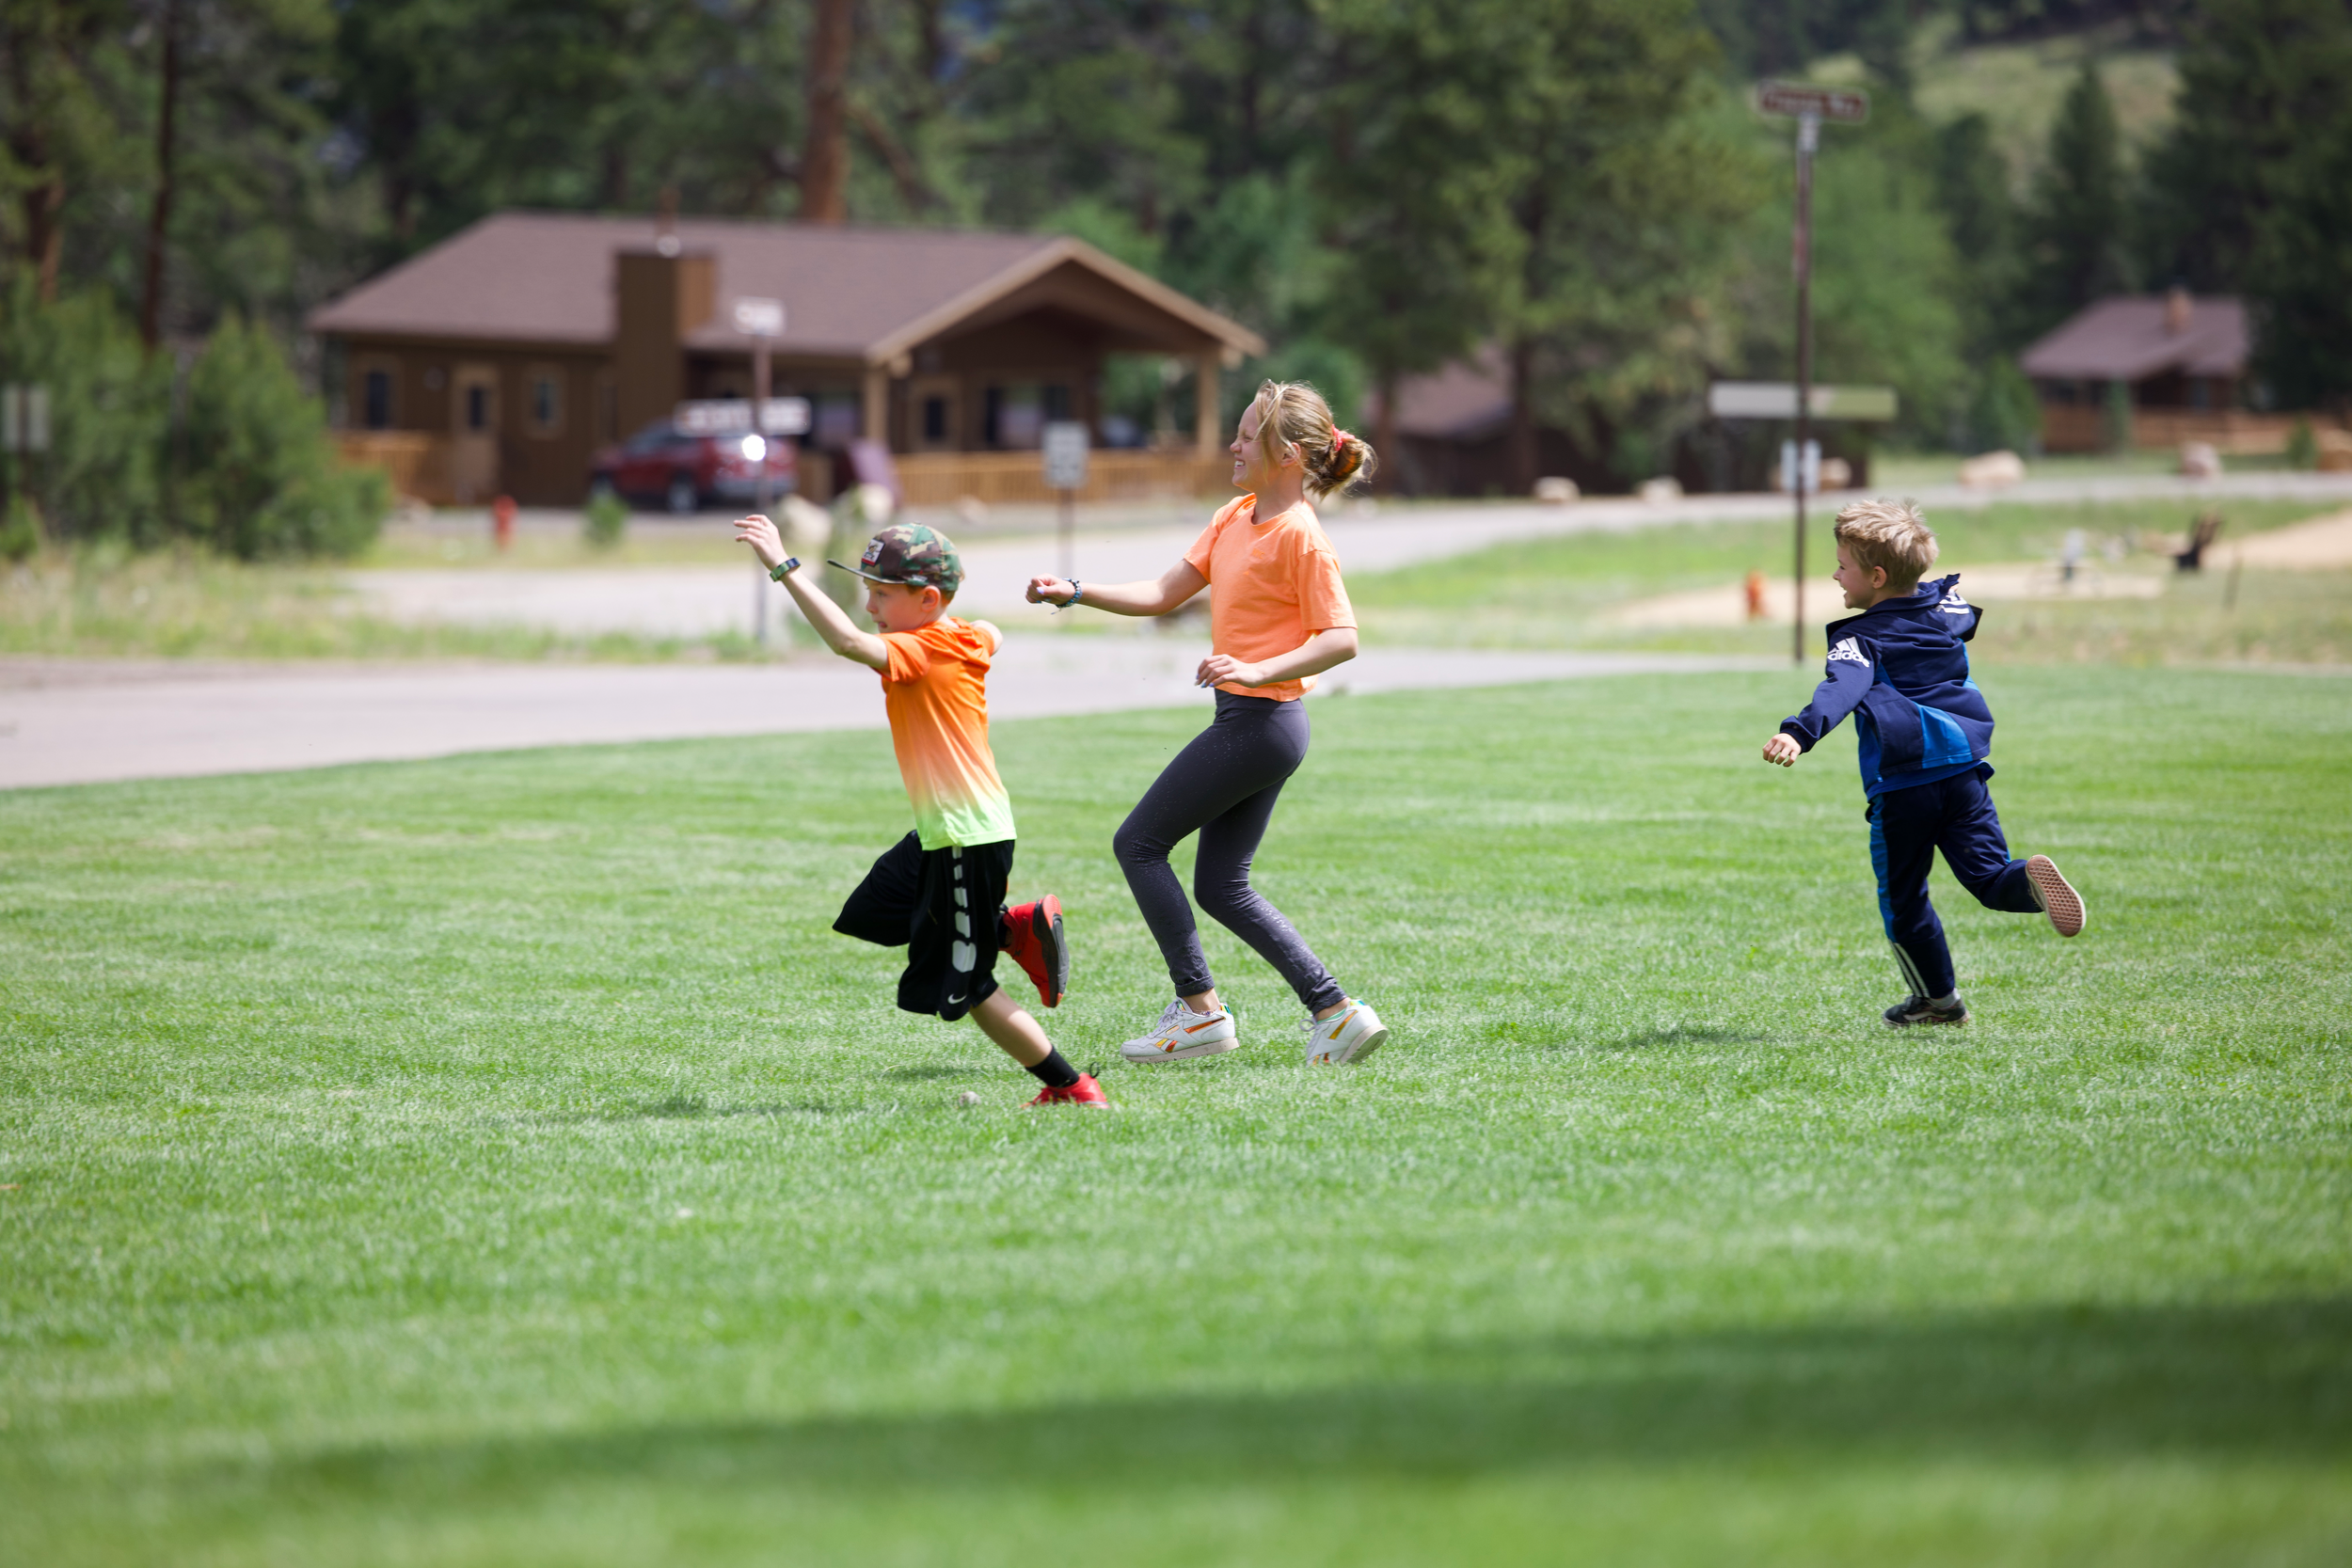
{"points": [[784, 568]]}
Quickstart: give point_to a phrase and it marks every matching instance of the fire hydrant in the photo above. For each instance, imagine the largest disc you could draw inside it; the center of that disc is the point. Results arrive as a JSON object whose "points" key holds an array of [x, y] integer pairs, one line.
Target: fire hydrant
{"points": [[502, 521]]}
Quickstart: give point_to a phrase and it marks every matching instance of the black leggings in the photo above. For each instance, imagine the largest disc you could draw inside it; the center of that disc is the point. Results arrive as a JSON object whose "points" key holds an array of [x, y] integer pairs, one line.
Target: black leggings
{"points": [[1223, 786]]}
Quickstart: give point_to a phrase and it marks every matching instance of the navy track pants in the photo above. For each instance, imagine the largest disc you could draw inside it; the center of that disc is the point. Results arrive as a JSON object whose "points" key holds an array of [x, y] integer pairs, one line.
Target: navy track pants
{"points": [[1907, 828]]}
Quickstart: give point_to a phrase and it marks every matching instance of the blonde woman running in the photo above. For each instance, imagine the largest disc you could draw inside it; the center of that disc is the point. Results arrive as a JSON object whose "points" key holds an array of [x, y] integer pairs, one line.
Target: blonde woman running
{"points": [[1278, 618]]}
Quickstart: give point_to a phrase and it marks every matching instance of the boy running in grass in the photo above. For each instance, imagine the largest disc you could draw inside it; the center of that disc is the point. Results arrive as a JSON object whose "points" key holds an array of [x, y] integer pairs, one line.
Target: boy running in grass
{"points": [[1923, 732], [940, 891]]}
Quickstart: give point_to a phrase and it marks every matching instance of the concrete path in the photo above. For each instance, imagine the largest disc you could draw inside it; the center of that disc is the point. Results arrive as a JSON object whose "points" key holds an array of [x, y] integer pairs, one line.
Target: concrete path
{"points": [[67, 721], [696, 602]]}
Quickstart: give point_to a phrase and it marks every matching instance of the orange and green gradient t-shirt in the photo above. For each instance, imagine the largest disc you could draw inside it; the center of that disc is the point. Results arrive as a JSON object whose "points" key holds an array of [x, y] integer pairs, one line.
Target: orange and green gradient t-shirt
{"points": [[936, 690]]}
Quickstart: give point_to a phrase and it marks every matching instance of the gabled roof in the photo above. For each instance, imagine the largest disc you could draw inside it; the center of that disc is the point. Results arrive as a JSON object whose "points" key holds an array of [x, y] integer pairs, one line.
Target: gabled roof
{"points": [[1467, 400], [863, 293], [2125, 339]]}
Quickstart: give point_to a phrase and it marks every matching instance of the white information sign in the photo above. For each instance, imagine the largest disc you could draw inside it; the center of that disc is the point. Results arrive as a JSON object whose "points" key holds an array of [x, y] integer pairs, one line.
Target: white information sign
{"points": [[1777, 400], [1065, 451], [23, 417], [731, 416], [759, 318]]}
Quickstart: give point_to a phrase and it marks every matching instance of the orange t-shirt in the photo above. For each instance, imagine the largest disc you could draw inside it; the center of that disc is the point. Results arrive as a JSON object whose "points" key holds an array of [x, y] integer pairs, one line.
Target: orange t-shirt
{"points": [[936, 690], [1274, 582]]}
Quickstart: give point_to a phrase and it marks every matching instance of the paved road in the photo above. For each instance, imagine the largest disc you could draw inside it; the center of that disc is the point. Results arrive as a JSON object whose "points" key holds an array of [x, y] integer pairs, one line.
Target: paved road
{"points": [[76, 721], [703, 601]]}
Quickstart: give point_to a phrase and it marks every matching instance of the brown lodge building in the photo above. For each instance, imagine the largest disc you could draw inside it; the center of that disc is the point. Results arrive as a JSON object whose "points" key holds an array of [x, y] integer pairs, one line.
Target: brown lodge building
{"points": [[501, 360], [2154, 370]]}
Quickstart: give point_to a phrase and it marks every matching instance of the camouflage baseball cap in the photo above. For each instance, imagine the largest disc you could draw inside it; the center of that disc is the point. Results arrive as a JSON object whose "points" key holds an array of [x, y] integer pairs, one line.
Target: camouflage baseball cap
{"points": [[911, 554]]}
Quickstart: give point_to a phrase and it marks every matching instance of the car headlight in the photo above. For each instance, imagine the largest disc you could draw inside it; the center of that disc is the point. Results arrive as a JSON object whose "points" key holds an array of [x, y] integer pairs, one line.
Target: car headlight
{"points": [[755, 448]]}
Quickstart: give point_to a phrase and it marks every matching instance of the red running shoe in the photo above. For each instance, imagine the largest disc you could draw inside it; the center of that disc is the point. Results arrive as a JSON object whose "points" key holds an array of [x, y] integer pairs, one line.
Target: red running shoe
{"points": [[1086, 1091], [1033, 939]]}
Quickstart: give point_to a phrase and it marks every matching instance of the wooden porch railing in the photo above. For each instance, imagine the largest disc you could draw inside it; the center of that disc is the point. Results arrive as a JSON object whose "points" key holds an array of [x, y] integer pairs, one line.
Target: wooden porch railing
{"points": [[943, 478], [416, 461], [2233, 432]]}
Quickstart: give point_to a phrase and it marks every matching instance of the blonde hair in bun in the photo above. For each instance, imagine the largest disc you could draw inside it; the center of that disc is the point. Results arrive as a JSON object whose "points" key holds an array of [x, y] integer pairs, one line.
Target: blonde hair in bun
{"points": [[1292, 412]]}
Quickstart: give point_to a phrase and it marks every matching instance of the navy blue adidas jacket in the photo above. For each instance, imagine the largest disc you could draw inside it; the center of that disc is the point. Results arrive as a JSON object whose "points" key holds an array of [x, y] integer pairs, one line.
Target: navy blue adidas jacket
{"points": [[1900, 670]]}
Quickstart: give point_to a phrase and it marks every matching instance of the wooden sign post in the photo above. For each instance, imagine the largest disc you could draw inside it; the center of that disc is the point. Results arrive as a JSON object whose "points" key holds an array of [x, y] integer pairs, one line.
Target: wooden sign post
{"points": [[762, 322], [1064, 450], [1808, 106]]}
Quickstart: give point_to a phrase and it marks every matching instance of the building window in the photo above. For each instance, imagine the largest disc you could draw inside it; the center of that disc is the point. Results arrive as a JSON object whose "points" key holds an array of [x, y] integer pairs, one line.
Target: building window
{"points": [[376, 400], [1013, 415], [478, 408], [934, 419], [547, 401], [1057, 400]]}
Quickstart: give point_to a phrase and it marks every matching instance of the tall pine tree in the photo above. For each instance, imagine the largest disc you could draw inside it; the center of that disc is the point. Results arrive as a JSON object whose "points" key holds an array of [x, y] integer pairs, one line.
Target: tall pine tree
{"points": [[2078, 217], [2253, 189]]}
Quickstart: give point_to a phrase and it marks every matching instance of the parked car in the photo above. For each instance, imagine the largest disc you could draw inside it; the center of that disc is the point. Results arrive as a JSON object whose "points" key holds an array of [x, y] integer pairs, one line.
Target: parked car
{"points": [[663, 466]]}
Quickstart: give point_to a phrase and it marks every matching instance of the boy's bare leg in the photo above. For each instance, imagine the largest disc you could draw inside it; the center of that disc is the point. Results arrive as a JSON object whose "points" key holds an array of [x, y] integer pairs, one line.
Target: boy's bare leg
{"points": [[1009, 1023]]}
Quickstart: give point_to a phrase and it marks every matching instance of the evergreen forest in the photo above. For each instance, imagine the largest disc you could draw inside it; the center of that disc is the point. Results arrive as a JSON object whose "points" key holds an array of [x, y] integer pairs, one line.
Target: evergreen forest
{"points": [[1578, 188]]}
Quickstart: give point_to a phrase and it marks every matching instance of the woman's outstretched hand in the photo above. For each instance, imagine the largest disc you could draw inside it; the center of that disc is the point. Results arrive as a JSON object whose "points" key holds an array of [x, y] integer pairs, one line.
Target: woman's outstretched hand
{"points": [[1052, 590]]}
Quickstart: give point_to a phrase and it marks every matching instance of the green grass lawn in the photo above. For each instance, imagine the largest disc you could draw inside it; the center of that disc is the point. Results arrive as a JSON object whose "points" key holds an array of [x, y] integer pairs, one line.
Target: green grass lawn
{"points": [[1561, 591], [497, 1161]]}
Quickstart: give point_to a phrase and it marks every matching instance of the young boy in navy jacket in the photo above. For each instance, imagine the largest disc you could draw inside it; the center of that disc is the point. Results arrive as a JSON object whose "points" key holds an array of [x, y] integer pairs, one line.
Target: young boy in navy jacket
{"points": [[1923, 730]]}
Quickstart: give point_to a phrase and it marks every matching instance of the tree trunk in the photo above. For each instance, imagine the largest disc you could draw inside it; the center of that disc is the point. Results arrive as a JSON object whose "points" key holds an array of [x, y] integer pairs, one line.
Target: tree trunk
{"points": [[29, 145], [825, 159], [1390, 480], [1523, 454], [159, 217], [44, 234]]}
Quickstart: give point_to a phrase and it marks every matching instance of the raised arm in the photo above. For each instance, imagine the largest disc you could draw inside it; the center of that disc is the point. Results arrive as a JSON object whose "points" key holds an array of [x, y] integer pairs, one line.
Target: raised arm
{"points": [[1177, 584], [833, 626]]}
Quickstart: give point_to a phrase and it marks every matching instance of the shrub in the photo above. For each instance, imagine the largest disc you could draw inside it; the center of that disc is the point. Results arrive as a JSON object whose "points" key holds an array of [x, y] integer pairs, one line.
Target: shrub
{"points": [[2302, 446], [262, 476], [19, 530], [602, 524], [109, 413]]}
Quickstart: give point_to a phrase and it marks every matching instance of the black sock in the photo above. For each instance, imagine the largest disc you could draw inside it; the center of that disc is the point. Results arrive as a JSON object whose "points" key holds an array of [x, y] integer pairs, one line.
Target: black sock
{"points": [[1054, 1072]]}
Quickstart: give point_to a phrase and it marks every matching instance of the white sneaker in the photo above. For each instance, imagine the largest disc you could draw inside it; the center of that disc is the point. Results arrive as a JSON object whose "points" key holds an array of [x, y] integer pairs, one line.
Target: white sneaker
{"points": [[1182, 1034], [1350, 1035]]}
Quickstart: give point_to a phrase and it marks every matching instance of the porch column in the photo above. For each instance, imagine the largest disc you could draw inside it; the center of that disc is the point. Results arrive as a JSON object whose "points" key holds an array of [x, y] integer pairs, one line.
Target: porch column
{"points": [[1209, 436], [875, 423]]}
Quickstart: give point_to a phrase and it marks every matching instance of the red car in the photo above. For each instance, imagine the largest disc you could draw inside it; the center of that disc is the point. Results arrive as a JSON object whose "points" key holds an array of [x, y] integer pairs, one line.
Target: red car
{"points": [[663, 466]]}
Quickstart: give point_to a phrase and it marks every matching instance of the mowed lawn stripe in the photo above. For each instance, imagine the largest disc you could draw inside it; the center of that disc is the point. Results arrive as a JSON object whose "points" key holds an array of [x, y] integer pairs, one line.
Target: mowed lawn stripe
{"points": [[500, 1160]]}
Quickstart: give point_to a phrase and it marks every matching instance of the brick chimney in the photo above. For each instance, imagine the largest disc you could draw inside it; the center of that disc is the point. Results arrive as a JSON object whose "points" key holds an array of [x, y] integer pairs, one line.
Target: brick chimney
{"points": [[2177, 310], [659, 299]]}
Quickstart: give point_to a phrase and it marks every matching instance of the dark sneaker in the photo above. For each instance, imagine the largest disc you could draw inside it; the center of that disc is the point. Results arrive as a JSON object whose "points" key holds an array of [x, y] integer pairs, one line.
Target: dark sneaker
{"points": [[2059, 901], [1918, 1009], [1033, 939], [1086, 1091]]}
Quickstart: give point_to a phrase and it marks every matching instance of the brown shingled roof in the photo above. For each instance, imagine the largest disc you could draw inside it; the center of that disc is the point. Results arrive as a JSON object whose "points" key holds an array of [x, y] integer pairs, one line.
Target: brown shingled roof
{"points": [[853, 292], [1469, 400], [2124, 338]]}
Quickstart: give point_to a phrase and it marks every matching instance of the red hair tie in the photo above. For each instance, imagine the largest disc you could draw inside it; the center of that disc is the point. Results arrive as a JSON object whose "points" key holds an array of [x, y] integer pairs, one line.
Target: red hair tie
{"points": [[1340, 439]]}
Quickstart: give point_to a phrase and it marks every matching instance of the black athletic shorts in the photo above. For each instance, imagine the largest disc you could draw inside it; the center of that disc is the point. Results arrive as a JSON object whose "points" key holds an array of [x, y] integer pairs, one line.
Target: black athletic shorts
{"points": [[941, 905]]}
